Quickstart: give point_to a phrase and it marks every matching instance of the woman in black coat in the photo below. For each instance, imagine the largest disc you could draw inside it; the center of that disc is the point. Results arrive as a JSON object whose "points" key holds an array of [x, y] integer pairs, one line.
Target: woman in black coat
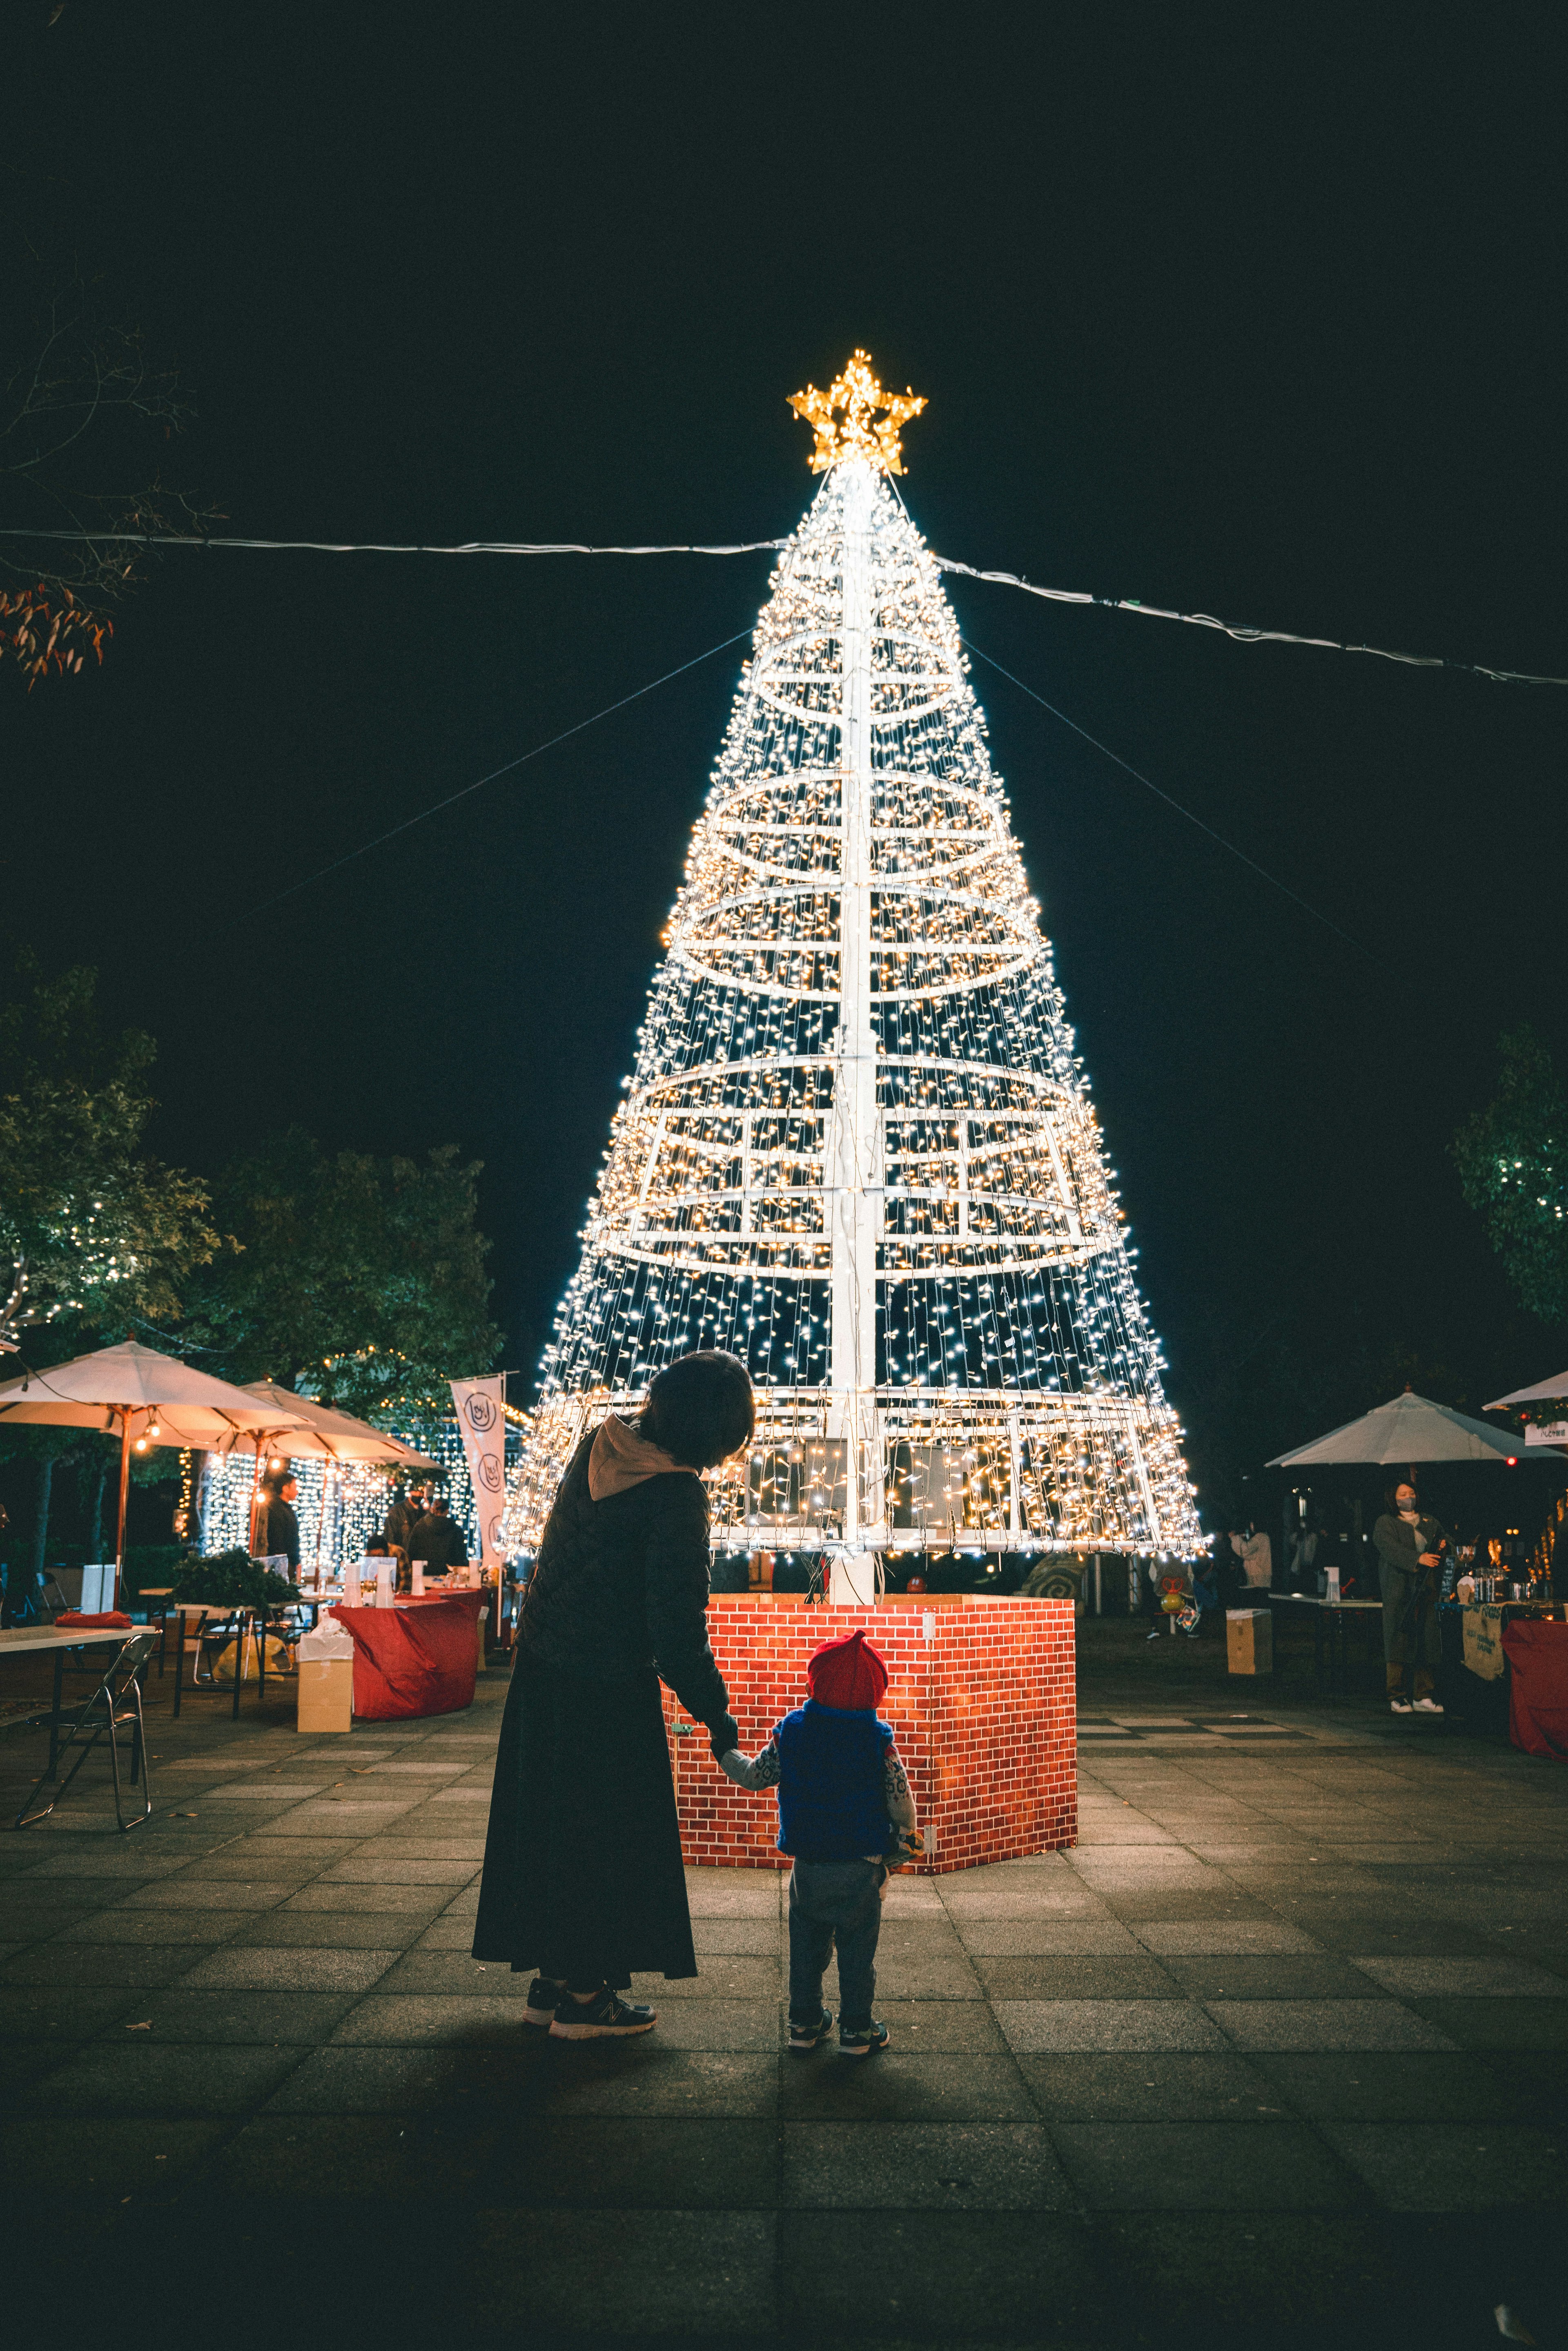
{"points": [[583, 1879]]}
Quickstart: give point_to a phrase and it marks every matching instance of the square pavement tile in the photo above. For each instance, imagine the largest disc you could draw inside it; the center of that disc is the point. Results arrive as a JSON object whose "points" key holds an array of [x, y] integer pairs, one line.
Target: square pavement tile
{"points": [[1161, 2085], [111, 1966], [261, 2019], [632, 2162], [899, 2086], [105, 2157], [753, 2025], [728, 1893], [924, 2277], [1221, 1938], [1455, 2167], [56, 2012], [1433, 1979], [264, 1968], [720, 1978], [637, 2274], [1243, 2165], [411, 2018], [163, 1926], [1075, 1977], [1038, 2026], [1394, 2085], [746, 1932], [1518, 2022], [1324, 2025], [139, 2077], [203, 1893], [586, 2078], [1042, 1938], [422, 1903], [923, 2167], [328, 2159], [387, 1931], [936, 1977], [458, 2082], [1264, 1975]]}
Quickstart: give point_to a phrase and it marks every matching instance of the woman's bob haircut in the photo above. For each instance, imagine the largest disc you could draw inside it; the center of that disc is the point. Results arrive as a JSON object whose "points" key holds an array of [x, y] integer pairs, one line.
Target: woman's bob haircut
{"points": [[1391, 1494], [701, 1409]]}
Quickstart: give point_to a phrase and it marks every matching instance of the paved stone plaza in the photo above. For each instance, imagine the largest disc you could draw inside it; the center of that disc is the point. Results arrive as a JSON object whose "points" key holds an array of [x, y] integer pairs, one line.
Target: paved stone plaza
{"points": [[1278, 2055]]}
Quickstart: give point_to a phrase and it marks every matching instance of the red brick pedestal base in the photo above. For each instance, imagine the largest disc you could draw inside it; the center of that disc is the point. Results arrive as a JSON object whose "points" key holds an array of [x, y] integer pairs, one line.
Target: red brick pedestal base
{"points": [[981, 1700]]}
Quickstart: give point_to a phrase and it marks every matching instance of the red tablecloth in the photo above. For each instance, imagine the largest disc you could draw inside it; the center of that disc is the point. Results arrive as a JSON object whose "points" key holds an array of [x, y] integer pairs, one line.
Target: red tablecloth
{"points": [[1537, 1652], [419, 1657]]}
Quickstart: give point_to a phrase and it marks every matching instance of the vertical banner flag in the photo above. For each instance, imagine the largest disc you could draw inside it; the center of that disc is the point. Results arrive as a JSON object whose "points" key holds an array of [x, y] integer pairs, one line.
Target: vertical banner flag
{"points": [[483, 1426]]}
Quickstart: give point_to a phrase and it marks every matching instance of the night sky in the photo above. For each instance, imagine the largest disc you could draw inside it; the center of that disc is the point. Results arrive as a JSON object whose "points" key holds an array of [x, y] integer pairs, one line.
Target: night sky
{"points": [[1255, 316]]}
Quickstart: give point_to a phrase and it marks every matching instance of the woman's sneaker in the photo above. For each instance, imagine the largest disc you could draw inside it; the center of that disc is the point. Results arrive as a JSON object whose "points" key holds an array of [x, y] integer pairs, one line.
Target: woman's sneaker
{"points": [[805, 2037], [862, 2040], [602, 2018], [1399, 1706], [545, 1996], [1426, 1706]]}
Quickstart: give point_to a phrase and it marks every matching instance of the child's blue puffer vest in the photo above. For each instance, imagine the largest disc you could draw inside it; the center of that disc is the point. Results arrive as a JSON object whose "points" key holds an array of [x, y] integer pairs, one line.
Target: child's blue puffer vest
{"points": [[832, 1801]]}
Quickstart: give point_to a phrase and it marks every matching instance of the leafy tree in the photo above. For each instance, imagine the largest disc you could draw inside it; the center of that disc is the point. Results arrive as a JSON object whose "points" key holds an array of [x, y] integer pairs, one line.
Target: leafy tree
{"points": [[361, 1279], [1512, 1158], [92, 1227], [85, 415]]}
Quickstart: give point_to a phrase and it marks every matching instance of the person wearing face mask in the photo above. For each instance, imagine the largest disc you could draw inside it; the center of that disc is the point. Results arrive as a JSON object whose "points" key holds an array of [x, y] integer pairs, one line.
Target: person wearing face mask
{"points": [[1409, 1544]]}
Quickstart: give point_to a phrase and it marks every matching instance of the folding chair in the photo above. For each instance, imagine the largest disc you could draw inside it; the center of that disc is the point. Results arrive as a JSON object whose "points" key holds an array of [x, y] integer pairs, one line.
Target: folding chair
{"points": [[116, 1700]]}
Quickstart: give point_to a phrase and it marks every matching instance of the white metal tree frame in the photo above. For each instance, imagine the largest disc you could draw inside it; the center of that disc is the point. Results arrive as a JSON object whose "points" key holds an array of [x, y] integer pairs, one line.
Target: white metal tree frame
{"points": [[858, 1147]]}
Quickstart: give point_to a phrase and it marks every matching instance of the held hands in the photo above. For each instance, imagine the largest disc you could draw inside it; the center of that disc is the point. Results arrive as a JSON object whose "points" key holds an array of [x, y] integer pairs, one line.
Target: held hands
{"points": [[723, 1737]]}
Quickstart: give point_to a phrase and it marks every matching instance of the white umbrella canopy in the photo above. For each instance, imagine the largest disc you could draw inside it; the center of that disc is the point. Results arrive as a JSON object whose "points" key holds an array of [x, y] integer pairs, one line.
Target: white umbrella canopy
{"points": [[1542, 1388], [339, 1435], [1409, 1428], [141, 1397]]}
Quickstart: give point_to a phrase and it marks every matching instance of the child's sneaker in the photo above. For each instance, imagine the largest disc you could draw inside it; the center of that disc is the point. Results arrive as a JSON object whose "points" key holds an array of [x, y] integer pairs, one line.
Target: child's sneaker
{"points": [[805, 2037], [598, 2018], [862, 2040], [545, 1996]]}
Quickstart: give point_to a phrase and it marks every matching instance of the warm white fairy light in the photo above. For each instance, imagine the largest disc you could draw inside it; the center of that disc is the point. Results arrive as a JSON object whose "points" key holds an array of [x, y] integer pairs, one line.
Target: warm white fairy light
{"points": [[856, 1095]]}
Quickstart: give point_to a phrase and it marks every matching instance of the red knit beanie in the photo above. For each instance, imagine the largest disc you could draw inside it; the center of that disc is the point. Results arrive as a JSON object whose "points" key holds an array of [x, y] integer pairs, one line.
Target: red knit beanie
{"points": [[847, 1674]]}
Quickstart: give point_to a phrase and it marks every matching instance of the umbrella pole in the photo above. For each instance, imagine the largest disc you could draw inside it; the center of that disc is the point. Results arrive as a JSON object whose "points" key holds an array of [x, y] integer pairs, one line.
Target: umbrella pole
{"points": [[254, 1497], [124, 1498]]}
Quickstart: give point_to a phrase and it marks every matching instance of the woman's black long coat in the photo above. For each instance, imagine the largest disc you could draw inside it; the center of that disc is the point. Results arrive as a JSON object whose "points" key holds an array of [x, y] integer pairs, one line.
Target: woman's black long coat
{"points": [[583, 1877]]}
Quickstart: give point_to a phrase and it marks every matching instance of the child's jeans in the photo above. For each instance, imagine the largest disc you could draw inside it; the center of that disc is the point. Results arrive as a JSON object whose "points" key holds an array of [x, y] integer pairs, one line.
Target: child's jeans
{"points": [[834, 1902]]}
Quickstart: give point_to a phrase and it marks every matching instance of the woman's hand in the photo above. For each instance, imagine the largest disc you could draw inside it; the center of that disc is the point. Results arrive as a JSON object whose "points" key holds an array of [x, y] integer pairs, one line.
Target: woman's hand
{"points": [[1430, 1558], [724, 1736]]}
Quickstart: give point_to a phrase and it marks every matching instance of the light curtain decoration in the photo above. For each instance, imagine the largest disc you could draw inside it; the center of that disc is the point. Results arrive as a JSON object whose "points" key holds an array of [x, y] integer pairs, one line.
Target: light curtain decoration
{"points": [[480, 1406], [858, 1146]]}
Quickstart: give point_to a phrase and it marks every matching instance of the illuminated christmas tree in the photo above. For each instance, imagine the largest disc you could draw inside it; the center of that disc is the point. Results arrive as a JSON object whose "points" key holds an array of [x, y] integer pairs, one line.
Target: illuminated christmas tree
{"points": [[858, 1148]]}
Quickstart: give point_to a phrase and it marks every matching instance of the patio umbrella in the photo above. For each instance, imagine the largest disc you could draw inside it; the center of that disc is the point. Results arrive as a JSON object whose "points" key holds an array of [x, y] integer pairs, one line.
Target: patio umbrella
{"points": [[303, 1427], [1409, 1429], [144, 1397], [1540, 1393]]}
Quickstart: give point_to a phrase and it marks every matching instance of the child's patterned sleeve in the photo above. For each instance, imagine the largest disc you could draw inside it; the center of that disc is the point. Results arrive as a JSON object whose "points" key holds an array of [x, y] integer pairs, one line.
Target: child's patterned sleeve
{"points": [[752, 1772], [895, 1788]]}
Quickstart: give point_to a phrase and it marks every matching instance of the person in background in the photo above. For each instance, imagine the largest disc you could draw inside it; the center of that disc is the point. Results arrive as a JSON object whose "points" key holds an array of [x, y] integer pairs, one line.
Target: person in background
{"points": [[277, 1528], [1410, 1546], [1204, 1592], [1255, 1553], [403, 1516], [437, 1540], [1303, 1560]]}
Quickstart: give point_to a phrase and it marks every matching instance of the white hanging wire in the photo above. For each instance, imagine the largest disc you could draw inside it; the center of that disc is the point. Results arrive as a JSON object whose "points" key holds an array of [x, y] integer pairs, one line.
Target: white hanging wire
{"points": [[1240, 633]]}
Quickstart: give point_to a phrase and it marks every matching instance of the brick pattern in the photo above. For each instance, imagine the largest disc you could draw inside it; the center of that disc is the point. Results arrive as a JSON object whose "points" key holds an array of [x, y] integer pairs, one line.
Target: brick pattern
{"points": [[981, 1700]]}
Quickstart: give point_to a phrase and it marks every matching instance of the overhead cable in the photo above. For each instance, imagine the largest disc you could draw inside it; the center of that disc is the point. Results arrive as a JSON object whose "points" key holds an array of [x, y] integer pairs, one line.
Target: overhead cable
{"points": [[496, 773], [1240, 633]]}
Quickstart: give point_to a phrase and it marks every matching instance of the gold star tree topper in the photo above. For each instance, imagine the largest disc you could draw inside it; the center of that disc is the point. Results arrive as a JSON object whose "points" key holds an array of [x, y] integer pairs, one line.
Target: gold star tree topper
{"points": [[855, 418]]}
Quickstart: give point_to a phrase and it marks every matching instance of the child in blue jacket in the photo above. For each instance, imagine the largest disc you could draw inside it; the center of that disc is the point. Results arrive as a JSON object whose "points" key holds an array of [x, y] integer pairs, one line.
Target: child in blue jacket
{"points": [[844, 1811]]}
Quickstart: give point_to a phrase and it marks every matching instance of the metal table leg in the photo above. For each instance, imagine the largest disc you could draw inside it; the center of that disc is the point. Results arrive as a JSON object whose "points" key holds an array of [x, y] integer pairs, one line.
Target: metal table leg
{"points": [[55, 1712]]}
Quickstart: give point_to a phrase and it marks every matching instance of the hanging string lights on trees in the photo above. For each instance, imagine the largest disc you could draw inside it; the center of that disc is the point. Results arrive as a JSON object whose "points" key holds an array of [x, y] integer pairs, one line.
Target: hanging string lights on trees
{"points": [[858, 1147]]}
